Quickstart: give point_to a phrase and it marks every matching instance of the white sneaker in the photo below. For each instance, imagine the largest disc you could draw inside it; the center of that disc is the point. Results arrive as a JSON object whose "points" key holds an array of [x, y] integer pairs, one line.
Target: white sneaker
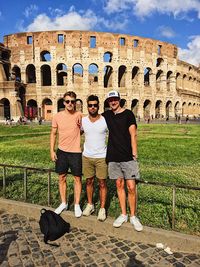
{"points": [[136, 223], [88, 210], [63, 206], [101, 215], [120, 220], [77, 210]]}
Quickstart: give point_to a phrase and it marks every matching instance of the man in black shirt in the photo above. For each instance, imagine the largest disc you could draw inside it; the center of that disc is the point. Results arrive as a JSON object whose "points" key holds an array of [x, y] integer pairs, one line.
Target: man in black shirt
{"points": [[122, 157]]}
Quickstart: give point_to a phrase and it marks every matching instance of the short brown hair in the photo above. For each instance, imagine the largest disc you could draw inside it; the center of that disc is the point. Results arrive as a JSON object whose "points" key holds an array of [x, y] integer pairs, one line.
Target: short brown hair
{"points": [[70, 93]]}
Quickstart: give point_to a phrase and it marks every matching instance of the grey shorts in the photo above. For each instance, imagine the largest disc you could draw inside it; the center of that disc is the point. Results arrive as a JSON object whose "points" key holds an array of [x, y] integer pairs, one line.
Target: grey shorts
{"points": [[128, 170]]}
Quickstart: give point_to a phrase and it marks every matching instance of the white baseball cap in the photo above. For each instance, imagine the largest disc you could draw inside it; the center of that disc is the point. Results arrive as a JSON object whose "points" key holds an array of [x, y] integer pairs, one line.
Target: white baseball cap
{"points": [[113, 94]]}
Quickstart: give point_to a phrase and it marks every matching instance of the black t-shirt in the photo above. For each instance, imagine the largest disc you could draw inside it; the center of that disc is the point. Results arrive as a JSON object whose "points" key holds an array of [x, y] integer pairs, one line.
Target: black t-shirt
{"points": [[119, 141]]}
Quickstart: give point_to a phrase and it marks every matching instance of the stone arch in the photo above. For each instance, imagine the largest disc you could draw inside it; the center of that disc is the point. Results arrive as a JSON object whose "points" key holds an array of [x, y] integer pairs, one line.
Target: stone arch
{"points": [[31, 110], [5, 109], [45, 75], [61, 74], [47, 109], [60, 105], [108, 76], [178, 80], [146, 109], [135, 106], [30, 74], [79, 105], [147, 73], [184, 108], [77, 71], [107, 57], [158, 79], [169, 80], [135, 75], [93, 74], [16, 71], [168, 109], [177, 109], [45, 56], [158, 107], [184, 81], [122, 76], [159, 62]]}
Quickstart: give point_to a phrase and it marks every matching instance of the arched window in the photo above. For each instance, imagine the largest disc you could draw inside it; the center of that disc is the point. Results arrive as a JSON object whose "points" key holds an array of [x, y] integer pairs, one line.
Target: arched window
{"points": [[61, 71], [107, 57], [93, 74], [134, 106], [30, 74], [122, 76], [77, 73], [108, 70], [147, 72], [45, 56], [45, 75]]}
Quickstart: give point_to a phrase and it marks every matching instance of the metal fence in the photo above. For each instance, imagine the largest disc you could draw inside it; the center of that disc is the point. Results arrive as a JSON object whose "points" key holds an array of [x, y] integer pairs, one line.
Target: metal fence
{"points": [[48, 173]]}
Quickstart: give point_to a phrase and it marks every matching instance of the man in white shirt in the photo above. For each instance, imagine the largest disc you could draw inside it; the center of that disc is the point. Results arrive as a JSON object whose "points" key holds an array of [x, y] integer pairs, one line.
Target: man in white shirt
{"points": [[94, 153]]}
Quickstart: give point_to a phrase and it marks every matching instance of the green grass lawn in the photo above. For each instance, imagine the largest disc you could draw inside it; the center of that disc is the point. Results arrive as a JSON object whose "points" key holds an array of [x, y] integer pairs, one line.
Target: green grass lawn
{"points": [[167, 153]]}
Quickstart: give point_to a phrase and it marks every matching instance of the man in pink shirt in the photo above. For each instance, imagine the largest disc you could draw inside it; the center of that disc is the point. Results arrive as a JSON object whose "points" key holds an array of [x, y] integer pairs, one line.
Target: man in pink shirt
{"points": [[66, 124]]}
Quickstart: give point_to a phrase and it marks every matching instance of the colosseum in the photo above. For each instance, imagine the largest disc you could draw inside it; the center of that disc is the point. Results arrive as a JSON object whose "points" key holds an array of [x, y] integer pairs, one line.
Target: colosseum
{"points": [[37, 68]]}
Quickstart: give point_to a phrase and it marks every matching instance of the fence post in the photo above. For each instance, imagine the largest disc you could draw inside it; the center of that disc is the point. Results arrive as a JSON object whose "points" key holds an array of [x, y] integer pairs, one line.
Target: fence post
{"points": [[4, 181], [173, 207], [25, 184], [49, 188]]}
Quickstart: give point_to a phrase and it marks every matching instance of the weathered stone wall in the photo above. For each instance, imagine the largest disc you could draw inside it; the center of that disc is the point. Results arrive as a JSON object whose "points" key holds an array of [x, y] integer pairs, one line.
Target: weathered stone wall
{"points": [[146, 72]]}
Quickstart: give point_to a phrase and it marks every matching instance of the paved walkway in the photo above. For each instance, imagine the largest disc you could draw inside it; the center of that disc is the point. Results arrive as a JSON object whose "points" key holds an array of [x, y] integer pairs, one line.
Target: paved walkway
{"points": [[21, 244]]}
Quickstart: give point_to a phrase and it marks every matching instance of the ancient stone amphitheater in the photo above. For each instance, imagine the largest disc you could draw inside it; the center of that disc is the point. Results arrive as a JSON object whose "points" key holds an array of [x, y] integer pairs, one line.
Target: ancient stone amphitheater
{"points": [[37, 68]]}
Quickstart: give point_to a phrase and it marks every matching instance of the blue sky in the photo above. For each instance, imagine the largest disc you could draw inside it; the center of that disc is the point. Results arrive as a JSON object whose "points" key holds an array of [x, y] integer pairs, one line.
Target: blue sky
{"points": [[173, 21]]}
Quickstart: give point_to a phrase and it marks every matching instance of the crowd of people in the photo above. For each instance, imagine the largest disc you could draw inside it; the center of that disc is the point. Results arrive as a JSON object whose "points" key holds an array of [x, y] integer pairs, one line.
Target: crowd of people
{"points": [[116, 159]]}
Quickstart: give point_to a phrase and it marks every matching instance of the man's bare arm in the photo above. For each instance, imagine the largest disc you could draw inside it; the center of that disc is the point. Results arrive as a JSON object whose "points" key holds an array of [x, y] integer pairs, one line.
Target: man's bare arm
{"points": [[133, 134], [53, 136]]}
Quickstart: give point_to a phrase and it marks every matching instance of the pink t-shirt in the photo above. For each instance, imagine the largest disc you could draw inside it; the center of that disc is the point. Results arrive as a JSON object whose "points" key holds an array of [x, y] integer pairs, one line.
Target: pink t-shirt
{"points": [[68, 131]]}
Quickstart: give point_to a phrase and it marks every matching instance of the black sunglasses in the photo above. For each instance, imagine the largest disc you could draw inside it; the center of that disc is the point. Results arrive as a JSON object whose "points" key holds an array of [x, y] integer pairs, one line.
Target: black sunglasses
{"points": [[93, 105], [70, 101]]}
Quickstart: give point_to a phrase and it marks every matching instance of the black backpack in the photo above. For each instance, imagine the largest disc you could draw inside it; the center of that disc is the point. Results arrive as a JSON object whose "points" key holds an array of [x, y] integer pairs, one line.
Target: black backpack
{"points": [[52, 225]]}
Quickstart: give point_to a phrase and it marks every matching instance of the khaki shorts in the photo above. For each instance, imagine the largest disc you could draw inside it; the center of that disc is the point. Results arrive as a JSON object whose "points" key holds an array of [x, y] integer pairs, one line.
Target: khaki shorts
{"points": [[95, 167], [128, 170]]}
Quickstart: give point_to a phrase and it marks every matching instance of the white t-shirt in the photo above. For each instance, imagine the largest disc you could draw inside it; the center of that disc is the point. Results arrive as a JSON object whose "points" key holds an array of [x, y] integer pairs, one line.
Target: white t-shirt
{"points": [[95, 137]]}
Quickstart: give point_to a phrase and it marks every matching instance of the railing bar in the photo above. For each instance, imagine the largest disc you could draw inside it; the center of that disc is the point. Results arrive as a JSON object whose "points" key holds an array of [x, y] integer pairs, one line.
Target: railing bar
{"points": [[25, 184], [173, 207], [4, 181], [49, 188]]}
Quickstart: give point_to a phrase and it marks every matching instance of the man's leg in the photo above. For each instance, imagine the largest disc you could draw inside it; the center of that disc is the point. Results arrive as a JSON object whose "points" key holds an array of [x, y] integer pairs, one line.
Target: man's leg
{"points": [[77, 189], [122, 201], [102, 192], [62, 190], [102, 195], [132, 199], [121, 194], [132, 196], [77, 196], [90, 189]]}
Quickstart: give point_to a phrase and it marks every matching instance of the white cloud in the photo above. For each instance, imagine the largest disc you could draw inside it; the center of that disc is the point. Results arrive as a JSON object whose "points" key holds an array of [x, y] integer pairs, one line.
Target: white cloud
{"points": [[166, 31], [30, 10], [144, 8], [191, 54], [72, 20]]}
